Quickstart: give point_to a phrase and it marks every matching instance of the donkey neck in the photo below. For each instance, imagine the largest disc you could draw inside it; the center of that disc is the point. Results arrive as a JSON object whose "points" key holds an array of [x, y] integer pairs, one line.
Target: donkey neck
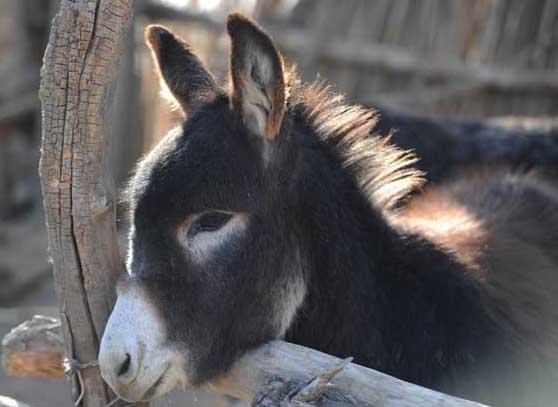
{"points": [[374, 292]]}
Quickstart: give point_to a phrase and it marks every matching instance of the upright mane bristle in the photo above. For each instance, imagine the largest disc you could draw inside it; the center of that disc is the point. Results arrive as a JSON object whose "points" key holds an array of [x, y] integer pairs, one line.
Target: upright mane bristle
{"points": [[383, 171]]}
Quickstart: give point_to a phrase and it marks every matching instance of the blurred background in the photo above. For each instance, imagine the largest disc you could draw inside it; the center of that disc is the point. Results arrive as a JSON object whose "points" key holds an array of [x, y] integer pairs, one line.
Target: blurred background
{"points": [[478, 60]]}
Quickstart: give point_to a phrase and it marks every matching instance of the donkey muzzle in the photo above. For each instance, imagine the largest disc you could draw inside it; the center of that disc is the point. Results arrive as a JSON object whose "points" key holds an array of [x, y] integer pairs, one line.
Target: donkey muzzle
{"points": [[134, 358]]}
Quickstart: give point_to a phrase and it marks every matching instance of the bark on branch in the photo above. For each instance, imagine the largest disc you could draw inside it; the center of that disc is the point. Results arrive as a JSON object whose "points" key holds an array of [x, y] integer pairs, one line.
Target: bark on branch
{"points": [[80, 67]]}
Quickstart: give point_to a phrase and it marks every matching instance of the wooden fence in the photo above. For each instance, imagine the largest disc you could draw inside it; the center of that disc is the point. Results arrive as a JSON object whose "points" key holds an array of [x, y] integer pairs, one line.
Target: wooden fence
{"points": [[472, 58]]}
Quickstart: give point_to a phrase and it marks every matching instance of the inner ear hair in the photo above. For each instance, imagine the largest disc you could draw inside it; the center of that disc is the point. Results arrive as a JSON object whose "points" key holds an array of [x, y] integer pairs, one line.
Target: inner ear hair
{"points": [[256, 69], [190, 83]]}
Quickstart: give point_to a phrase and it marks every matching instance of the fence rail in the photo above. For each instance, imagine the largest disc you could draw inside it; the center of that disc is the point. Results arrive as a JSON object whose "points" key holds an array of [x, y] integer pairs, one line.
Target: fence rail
{"points": [[276, 374]]}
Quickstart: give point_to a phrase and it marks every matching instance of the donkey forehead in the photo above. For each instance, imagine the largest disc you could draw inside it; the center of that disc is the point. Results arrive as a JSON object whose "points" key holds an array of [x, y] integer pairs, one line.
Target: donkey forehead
{"points": [[207, 163]]}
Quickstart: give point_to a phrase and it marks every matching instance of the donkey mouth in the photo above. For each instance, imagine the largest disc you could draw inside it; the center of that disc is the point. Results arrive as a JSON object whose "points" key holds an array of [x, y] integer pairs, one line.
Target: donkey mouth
{"points": [[151, 392], [130, 394]]}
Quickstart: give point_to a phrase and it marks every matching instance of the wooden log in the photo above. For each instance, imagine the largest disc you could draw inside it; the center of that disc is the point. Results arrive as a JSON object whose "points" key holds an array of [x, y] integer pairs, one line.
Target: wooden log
{"points": [[34, 348], [275, 371], [286, 363], [80, 67]]}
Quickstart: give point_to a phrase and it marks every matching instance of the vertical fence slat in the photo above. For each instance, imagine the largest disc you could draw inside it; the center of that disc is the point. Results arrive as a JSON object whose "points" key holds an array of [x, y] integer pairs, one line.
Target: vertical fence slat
{"points": [[80, 67]]}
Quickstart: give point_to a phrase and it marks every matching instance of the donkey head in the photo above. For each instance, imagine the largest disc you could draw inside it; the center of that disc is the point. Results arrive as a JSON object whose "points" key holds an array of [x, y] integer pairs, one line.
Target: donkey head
{"points": [[215, 264]]}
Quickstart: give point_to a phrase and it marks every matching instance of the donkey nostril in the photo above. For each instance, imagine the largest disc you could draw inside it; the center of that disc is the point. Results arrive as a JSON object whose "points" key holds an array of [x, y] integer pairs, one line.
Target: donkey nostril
{"points": [[125, 365]]}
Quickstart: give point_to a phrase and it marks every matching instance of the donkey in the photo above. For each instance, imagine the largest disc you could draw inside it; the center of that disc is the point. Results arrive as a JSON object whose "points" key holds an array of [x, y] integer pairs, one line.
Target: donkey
{"points": [[271, 212], [446, 147]]}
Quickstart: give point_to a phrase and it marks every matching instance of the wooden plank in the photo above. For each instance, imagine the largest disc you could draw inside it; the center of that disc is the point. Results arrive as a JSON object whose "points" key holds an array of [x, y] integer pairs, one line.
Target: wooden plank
{"points": [[80, 67]]}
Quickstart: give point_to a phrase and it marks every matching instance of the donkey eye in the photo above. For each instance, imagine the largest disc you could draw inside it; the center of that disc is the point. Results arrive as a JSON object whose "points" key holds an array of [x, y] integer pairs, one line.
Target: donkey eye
{"points": [[209, 222]]}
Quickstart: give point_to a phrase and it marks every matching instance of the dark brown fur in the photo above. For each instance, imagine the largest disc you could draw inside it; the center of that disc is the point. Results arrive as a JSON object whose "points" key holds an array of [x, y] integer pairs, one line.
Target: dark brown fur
{"points": [[454, 289], [504, 229]]}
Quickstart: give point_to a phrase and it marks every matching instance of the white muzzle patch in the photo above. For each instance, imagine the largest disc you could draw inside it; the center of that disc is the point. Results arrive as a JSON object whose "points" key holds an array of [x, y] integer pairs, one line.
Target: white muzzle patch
{"points": [[135, 359]]}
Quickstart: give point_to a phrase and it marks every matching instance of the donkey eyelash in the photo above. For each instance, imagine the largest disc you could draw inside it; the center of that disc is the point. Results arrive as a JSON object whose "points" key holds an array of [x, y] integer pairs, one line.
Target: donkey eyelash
{"points": [[208, 222], [205, 232]]}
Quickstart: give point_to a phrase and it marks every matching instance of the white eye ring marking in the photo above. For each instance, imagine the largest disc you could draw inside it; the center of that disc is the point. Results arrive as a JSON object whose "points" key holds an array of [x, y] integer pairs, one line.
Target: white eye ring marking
{"points": [[203, 244]]}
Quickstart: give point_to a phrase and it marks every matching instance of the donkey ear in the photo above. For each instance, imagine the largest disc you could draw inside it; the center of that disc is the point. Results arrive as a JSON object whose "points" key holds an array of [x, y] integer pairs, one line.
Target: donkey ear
{"points": [[187, 79], [258, 93]]}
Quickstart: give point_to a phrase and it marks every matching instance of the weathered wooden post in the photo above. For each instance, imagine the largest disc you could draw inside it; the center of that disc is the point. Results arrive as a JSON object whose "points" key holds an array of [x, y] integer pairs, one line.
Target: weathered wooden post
{"points": [[78, 76]]}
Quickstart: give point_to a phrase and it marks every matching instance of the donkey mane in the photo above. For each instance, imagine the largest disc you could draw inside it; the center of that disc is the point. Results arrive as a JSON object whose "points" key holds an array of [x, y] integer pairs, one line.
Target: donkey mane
{"points": [[384, 172]]}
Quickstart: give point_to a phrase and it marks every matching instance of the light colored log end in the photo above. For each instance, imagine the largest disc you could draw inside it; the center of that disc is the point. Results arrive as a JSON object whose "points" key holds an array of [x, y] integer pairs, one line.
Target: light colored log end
{"points": [[33, 364], [34, 348]]}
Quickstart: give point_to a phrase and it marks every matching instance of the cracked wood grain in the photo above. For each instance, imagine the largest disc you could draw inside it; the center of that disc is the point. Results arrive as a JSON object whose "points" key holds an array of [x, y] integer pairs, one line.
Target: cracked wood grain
{"points": [[78, 75], [265, 375]]}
